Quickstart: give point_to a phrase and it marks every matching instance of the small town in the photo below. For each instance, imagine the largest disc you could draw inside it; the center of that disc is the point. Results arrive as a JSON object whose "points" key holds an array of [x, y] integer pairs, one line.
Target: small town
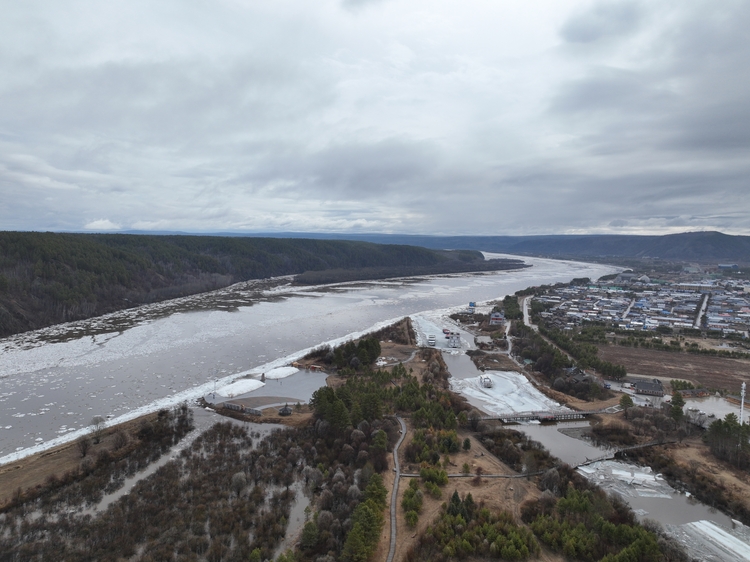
{"points": [[636, 302]]}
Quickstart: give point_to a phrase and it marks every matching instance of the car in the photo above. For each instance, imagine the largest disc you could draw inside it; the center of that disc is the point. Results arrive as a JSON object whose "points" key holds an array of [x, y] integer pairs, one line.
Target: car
{"points": [[431, 341], [446, 331]]}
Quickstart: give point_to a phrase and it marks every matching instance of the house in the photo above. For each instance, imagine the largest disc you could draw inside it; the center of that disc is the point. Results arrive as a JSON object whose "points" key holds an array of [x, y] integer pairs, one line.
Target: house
{"points": [[234, 406], [496, 319], [285, 411], [653, 387]]}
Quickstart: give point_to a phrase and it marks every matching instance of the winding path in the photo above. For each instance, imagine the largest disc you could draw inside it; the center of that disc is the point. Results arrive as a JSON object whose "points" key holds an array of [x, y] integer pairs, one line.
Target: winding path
{"points": [[394, 494]]}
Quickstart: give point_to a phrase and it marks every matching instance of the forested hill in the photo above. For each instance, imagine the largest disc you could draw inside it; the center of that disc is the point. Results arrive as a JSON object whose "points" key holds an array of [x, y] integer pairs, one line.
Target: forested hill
{"points": [[686, 246], [48, 278]]}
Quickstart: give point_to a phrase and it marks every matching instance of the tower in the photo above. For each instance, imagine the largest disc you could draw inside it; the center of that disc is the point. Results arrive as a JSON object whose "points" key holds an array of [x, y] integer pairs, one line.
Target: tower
{"points": [[742, 403]]}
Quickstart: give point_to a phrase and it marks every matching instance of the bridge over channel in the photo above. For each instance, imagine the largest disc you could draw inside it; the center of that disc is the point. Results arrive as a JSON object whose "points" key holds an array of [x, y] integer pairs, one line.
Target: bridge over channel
{"points": [[614, 452], [543, 415]]}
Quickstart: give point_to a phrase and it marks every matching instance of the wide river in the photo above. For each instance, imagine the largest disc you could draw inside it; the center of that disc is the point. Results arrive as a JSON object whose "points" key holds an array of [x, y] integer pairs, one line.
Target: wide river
{"points": [[54, 381]]}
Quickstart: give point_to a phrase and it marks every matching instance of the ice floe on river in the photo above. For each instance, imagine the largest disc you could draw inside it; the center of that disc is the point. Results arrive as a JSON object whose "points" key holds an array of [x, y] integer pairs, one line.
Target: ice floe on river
{"points": [[509, 392], [710, 543], [628, 480], [245, 386], [277, 369]]}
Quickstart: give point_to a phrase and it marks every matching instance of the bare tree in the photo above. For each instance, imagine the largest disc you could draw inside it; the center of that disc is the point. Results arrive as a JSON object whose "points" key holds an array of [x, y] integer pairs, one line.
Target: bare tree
{"points": [[239, 481], [120, 440], [84, 444], [97, 428]]}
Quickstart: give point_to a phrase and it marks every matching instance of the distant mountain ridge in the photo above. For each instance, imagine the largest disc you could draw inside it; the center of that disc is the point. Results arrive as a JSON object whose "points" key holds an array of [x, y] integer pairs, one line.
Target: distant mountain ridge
{"points": [[687, 246]]}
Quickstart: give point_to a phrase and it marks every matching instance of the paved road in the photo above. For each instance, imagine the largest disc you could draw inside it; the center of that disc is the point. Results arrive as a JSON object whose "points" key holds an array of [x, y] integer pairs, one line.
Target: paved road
{"points": [[394, 494], [701, 312], [526, 317]]}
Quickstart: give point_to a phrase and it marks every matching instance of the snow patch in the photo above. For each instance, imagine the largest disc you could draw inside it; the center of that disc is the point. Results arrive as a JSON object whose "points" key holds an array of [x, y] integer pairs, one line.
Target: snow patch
{"points": [[281, 372], [242, 386]]}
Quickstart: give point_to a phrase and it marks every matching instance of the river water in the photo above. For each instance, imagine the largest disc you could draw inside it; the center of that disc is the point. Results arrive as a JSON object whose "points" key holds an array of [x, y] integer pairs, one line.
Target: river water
{"points": [[53, 381]]}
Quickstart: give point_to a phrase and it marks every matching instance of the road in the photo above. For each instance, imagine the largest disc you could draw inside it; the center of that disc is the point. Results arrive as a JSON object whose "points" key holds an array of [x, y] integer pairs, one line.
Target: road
{"points": [[701, 312], [394, 494], [625, 314], [526, 317]]}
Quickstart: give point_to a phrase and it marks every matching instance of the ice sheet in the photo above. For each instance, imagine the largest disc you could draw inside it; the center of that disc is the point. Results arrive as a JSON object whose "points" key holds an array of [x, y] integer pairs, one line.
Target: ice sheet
{"points": [[510, 393], [281, 372]]}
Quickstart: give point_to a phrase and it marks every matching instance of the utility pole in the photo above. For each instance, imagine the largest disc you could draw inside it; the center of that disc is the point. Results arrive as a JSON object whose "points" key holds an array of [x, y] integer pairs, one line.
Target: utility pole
{"points": [[742, 412]]}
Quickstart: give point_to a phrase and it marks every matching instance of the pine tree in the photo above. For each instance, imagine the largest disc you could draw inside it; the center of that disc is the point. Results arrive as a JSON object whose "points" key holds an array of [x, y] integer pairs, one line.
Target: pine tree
{"points": [[678, 402]]}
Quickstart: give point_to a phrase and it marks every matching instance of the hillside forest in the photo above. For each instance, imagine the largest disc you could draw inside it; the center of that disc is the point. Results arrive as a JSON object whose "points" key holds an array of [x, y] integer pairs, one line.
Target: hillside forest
{"points": [[48, 278]]}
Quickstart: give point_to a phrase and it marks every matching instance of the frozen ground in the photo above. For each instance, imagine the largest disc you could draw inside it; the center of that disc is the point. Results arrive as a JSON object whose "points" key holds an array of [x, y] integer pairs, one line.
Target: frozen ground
{"points": [[510, 393]]}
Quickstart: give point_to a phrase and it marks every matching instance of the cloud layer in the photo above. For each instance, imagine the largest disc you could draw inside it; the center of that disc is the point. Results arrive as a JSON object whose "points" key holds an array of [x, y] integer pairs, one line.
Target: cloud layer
{"points": [[437, 117]]}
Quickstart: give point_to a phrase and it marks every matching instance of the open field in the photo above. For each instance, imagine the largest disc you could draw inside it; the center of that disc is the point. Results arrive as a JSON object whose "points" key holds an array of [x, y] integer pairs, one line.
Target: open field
{"points": [[711, 372]]}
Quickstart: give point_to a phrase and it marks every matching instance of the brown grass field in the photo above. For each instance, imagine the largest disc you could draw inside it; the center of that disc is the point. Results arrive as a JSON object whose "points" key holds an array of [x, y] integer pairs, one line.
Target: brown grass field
{"points": [[710, 372]]}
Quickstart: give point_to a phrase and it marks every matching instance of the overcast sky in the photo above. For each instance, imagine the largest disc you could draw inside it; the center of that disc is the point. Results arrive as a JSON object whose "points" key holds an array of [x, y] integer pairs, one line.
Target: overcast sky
{"points": [[403, 116]]}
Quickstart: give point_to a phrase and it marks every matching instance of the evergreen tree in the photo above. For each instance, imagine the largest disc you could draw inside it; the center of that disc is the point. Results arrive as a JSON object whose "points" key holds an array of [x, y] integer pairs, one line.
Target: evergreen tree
{"points": [[626, 402], [678, 403]]}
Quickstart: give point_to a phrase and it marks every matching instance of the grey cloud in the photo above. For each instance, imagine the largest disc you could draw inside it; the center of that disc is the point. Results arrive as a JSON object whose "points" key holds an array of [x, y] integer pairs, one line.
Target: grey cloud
{"points": [[163, 100], [681, 107], [350, 171], [358, 4], [602, 21], [301, 116], [612, 89]]}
